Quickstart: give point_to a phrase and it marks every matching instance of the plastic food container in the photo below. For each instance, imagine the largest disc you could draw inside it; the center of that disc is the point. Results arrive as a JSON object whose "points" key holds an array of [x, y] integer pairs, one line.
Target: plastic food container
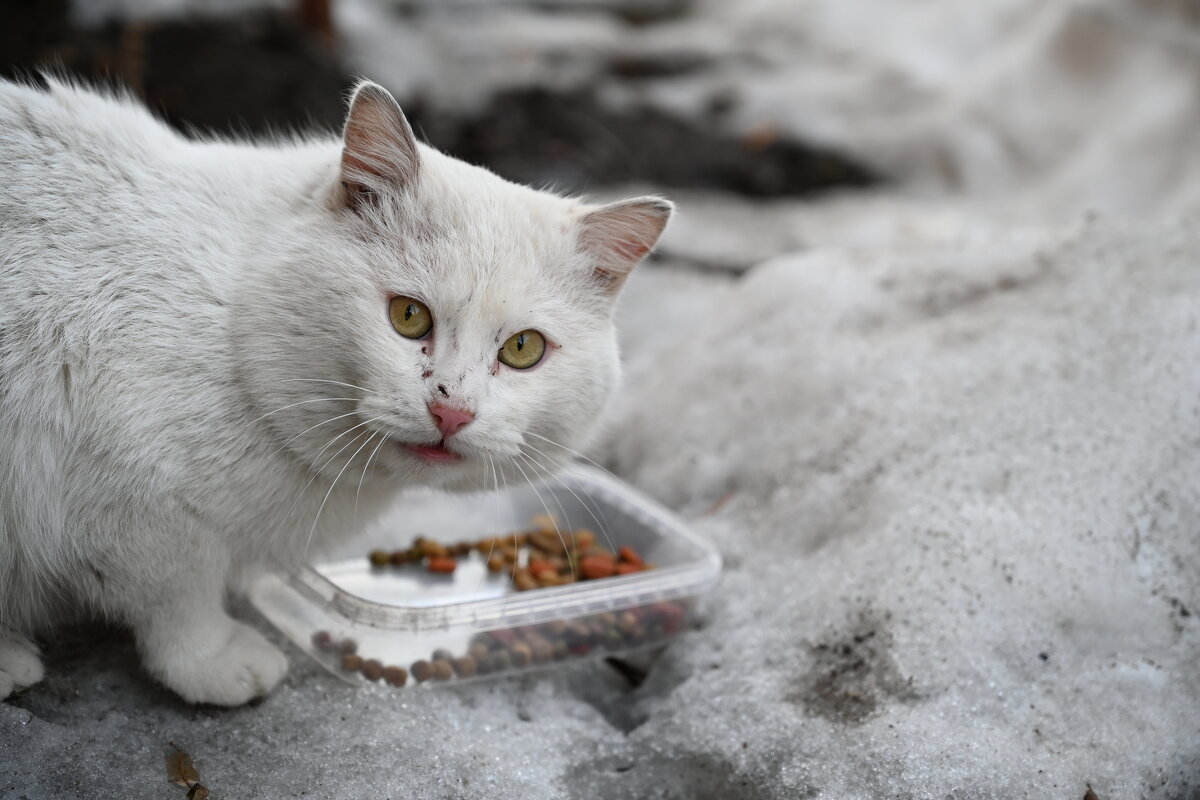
{"points": [[399, 616]]}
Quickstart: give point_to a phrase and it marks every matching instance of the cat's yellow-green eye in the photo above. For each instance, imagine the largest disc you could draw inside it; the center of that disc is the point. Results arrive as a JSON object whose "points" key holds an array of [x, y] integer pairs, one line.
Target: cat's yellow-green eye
{"points": [[410, 318], [523, 350]]}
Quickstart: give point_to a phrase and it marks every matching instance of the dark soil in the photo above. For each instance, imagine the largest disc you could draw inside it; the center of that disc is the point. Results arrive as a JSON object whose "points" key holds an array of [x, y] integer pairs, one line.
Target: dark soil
{"points": [[274, 71]]}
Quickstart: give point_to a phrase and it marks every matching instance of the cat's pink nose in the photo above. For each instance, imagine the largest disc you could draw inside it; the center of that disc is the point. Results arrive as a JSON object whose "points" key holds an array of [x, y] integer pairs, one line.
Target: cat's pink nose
{"points": [[449, 419]]}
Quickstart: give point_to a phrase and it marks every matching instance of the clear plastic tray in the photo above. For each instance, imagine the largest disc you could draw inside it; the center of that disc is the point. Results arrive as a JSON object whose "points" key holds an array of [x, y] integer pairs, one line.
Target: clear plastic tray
{"points": [[474, 619]]}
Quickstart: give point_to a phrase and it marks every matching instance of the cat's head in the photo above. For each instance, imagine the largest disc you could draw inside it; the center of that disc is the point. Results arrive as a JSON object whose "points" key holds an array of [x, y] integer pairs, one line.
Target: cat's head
{"points": [[465, 320]]}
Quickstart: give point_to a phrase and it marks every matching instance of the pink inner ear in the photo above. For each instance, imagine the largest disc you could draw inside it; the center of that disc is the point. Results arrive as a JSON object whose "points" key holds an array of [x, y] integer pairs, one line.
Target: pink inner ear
{"points": [[629, 250]]}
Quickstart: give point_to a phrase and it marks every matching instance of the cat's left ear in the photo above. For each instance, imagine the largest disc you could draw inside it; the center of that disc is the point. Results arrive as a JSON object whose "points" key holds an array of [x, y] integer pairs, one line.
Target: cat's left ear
{"points": [[619, 235], [378, 150]]}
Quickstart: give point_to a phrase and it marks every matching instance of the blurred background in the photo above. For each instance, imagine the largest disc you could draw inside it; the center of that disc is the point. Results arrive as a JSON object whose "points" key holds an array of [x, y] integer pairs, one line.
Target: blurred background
{"points": [[1037, 111]]}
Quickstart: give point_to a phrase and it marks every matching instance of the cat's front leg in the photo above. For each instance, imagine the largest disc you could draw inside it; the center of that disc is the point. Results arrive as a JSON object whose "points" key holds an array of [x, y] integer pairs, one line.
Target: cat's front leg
{"points": [[189, 642]]}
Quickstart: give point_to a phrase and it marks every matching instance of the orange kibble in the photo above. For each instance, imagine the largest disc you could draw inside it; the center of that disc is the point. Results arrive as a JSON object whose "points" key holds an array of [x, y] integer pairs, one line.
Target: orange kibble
{"points": [[629, 555], [443, 565], [593, 567]]}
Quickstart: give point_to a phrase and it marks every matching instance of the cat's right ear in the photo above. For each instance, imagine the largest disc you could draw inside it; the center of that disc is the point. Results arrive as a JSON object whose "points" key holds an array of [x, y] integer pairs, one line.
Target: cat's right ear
{"points": [[378, 148]]}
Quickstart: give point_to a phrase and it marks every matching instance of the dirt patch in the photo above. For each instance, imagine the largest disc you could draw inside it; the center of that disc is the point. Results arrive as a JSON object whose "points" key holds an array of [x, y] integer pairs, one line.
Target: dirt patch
{"points": [[853, 675]]}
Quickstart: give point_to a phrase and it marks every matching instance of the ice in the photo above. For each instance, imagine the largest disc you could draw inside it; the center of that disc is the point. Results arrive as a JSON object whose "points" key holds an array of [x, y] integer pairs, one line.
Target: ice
{"points": [[945, 435]]}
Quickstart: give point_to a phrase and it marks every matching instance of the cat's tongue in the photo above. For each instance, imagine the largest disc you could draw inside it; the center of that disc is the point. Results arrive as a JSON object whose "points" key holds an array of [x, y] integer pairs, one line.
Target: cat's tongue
{"points": [[432, 452]]}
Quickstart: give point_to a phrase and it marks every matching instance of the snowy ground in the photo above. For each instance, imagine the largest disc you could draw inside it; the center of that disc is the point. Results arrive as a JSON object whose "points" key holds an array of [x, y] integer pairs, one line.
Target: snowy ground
{"points": [[944, 434]]}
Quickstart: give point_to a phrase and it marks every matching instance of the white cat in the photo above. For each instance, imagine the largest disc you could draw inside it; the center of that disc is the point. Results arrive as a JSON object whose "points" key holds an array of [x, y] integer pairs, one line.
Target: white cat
{"points": [[207, 348]]}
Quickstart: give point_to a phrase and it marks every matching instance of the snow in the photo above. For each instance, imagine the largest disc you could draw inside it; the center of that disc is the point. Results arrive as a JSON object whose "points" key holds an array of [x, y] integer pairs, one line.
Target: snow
{"points": [[943, 433]]}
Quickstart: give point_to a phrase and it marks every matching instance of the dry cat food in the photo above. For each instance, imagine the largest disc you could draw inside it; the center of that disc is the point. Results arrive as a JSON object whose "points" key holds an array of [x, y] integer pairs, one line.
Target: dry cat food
{"points": [[513, 648], [513, 602], [540, 558]]}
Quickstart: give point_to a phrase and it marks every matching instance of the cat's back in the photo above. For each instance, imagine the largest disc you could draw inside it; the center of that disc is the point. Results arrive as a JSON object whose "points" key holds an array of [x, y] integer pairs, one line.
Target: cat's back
{"points": [[111, 253], [66, 149]]}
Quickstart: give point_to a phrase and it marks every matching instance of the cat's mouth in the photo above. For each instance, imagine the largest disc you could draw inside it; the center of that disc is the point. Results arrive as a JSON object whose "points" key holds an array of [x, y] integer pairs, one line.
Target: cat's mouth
{"points": [[432, 453]]}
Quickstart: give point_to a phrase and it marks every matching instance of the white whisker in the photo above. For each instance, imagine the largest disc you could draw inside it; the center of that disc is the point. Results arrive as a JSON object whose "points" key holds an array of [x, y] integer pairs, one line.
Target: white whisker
{"points": [[293, 405], [325, 499], [366, 467], [566, 547], [335, 383], [312, 428], [575, 453], [534, 465], [317, 470], [603, 526]]}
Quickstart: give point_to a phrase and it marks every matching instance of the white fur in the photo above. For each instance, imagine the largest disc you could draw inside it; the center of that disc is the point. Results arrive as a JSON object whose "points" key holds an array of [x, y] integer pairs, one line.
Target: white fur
{"points": [[177, 318]]}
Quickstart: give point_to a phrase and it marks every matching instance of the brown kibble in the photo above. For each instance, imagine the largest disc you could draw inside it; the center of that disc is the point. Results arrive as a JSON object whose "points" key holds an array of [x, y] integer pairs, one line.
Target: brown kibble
{"points": [[432, 549], [549, 543], [542, 650], [577, 632], [322, 640], [443, 565], [521, 654], [593, 567], [347, 646], [372, 670], [464, 667], [198, 792], [584, 539], [549, 578], [461, 550], [443, 670], [510, 554], [479, 650], [399, 558], [501, 660], [495, 562], [524, 581], [352, 662], [421, 671], [395, 676], [627, 621], [379, 558]]}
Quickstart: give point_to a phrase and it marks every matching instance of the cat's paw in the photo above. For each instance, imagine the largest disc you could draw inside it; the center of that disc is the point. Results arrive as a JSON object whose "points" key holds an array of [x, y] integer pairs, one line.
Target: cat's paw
{"points": [[245, 667], [20, 663]]}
